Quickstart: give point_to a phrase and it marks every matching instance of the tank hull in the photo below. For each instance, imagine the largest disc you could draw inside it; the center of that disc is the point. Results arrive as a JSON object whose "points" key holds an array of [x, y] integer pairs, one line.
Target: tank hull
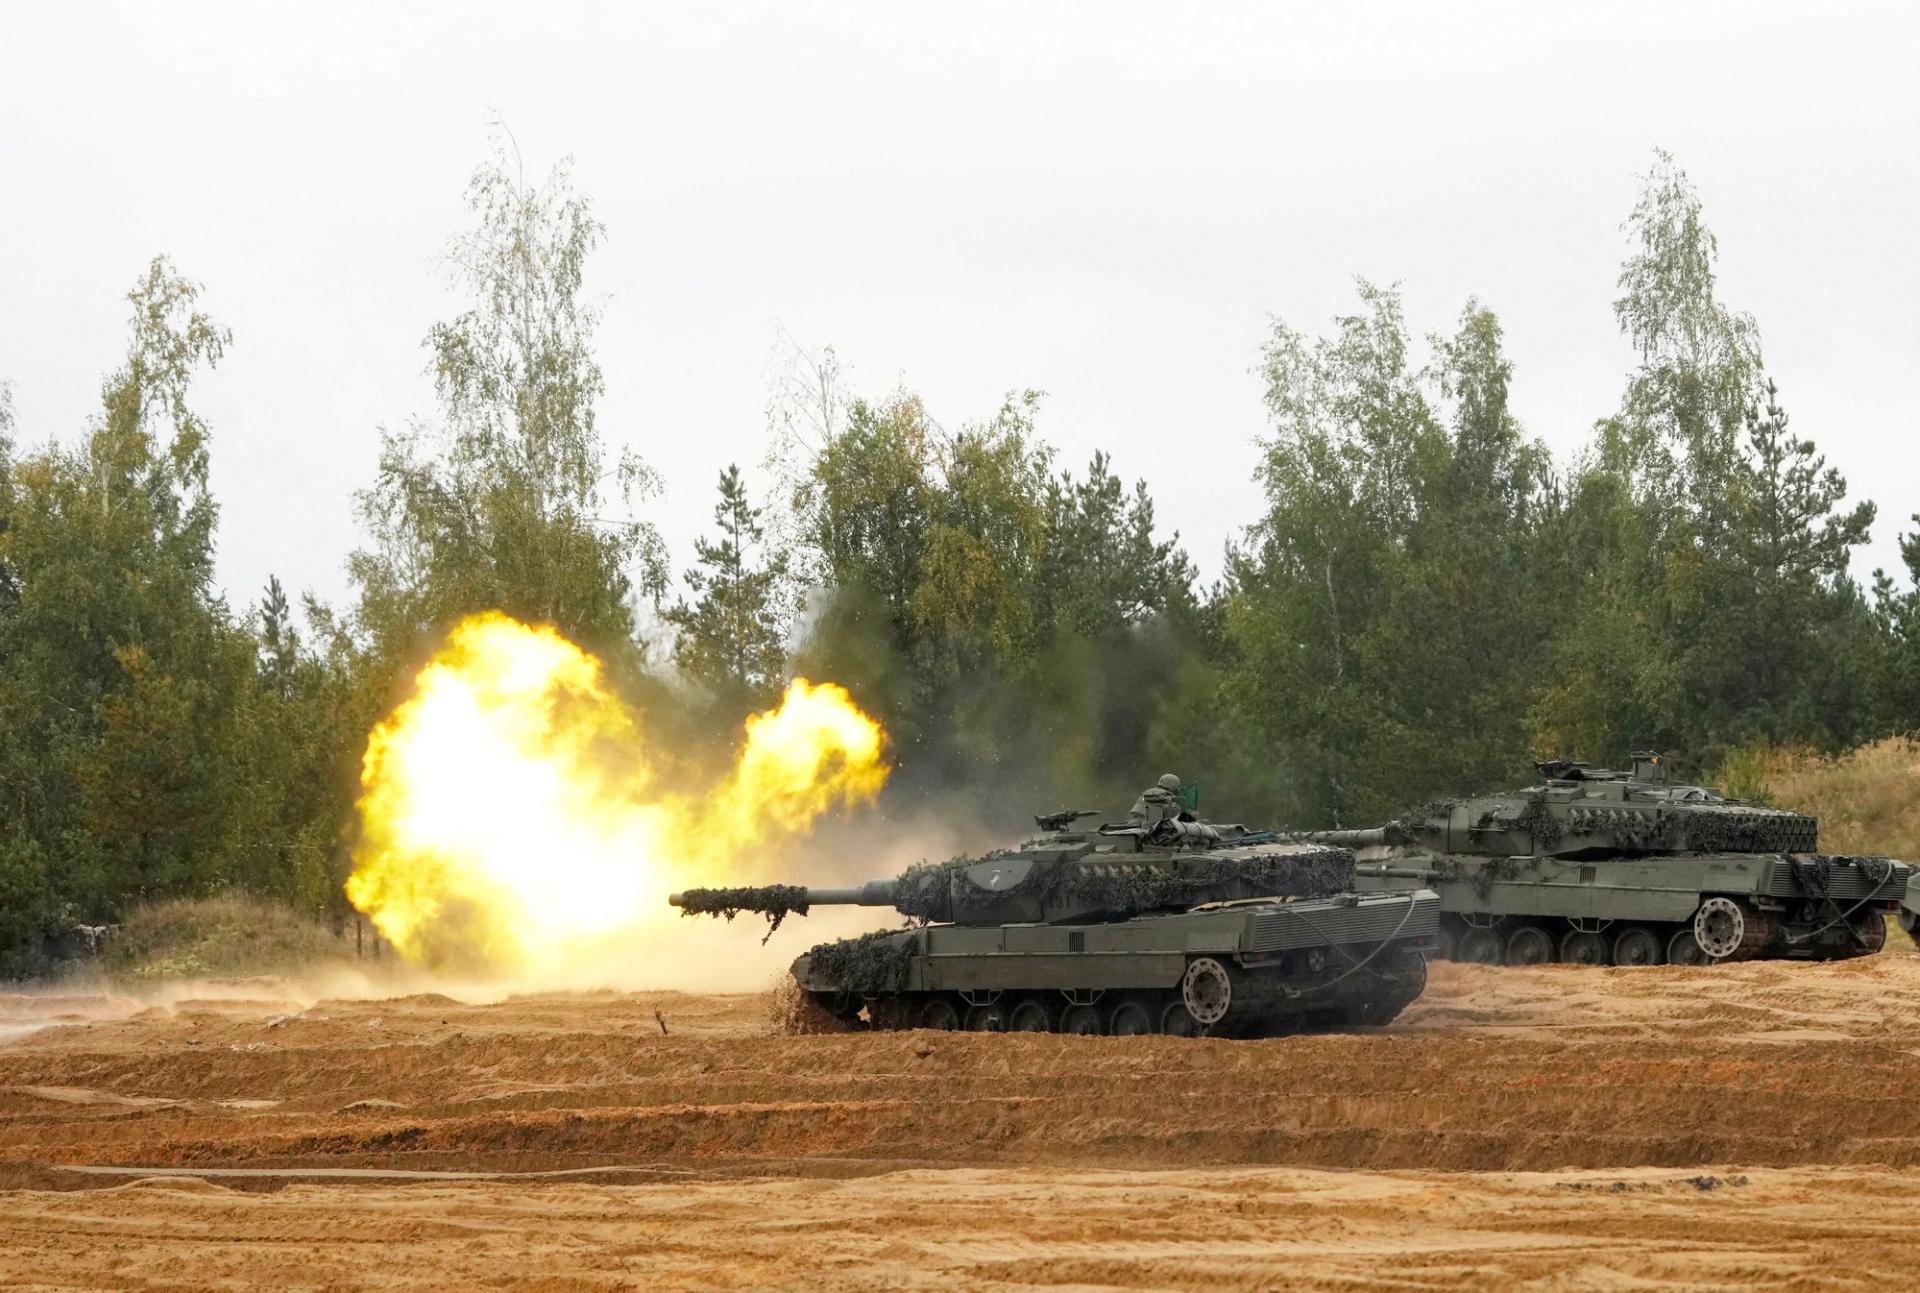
{"points": [[1247, 968], [1736, 906]]}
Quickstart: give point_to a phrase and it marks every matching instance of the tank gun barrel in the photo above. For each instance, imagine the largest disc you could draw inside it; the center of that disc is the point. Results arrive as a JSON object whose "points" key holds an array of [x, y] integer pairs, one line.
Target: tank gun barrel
{"points": [[781, 898], [874, 893], [1388, 871], [1352, 839]]}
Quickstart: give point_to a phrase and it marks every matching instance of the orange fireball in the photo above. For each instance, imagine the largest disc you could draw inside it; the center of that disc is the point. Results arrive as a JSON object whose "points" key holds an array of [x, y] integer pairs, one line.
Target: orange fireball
{"points": [[511, 821]]}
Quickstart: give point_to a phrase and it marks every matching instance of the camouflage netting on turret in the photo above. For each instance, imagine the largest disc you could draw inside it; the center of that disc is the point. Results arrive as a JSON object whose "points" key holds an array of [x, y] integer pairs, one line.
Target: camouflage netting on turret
{"points": [[774, 901], [1122, 884], [924, 891], [871, 963], [1699, 828], [1733, 828], [1298, 873], [1535, 818], [1625, 828], [1430, 818], [1538, 821]]}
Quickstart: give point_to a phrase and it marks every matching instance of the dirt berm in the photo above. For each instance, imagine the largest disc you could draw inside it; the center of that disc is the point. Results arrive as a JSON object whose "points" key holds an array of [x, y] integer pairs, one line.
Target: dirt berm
{"points": [[1513, 1113]]}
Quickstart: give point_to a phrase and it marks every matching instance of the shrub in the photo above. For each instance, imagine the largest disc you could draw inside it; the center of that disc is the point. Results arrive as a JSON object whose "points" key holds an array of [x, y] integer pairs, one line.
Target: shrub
{"points": [[228, 935]]}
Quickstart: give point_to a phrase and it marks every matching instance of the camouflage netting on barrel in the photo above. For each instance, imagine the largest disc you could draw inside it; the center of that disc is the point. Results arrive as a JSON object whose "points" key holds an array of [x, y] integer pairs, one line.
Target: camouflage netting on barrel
{"points": [[774, 901], [871, 963]]}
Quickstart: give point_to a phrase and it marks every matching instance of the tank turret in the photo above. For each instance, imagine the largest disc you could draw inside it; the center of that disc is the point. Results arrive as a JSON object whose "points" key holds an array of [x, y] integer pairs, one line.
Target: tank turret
{"points": [[1581, 811], [1064, 876], [1172, 926]]}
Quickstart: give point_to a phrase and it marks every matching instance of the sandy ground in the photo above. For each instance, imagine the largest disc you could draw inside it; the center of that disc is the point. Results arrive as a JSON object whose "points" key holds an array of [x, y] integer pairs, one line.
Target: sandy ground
{"points": [[1753, 1126]]}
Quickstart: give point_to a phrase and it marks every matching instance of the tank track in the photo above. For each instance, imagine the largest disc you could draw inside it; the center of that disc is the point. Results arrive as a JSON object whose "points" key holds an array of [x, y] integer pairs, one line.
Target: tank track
{"points": [[1761, 936], [1261, 1005], [1872, 936]]}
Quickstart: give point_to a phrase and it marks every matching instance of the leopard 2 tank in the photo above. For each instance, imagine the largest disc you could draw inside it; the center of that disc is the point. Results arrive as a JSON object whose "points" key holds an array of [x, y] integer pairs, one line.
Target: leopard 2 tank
{"points": [[1630, 868], [1179, 927]]}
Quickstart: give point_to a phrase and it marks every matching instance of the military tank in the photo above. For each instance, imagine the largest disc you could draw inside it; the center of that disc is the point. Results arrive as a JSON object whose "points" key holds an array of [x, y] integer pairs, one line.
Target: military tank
{"points": [[1180, 927], [1631, 868]]}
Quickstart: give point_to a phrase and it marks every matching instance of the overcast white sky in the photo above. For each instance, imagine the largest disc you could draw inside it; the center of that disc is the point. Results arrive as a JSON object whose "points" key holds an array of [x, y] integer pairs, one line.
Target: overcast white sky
{"points": [[1105, 201]]}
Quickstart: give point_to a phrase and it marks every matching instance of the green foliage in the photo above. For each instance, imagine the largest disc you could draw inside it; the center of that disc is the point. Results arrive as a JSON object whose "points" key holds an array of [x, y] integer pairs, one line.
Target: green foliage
{"points": [[1711, 604], [294, 753], [123, 668], [151, 744], [733, 637], [507, 501], [1012, 627], [986, 536], [27, 905], [1681, 414], [1894, 666], [1423, 601], [228, 935], [1744, 772], [1105, 570], [1383, 610]]}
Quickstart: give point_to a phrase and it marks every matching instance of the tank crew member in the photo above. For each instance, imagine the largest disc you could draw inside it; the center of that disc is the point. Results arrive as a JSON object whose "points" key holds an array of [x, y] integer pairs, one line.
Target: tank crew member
{"points": [[1161, 802]]}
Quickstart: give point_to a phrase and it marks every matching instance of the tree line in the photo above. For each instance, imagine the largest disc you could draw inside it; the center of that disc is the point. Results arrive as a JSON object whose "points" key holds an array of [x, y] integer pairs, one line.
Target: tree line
{"points": [[1426, 601]]}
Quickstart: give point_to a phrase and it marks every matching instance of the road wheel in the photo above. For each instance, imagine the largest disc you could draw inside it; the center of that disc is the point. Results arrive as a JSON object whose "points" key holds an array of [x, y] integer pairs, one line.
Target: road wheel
{"points": [[1082, 1021], [1030, 1016], [1480, 946], [1728, 930], [1684, 949], [1446, 942], [1411, 980], [1529, 945], [1636, 945], [1132, 1019], [1176, 1022], [986, 1019], [1583, 947], [1207, 991], [939, 1015]]}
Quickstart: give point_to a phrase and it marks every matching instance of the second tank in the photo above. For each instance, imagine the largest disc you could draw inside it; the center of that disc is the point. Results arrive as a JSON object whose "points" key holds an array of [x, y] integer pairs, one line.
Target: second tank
{"points": [[1631, 867]]}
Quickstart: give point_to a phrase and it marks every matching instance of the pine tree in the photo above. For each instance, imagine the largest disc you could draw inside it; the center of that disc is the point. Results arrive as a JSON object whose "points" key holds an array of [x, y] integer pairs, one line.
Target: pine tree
{"points": [[279, 642], [732, 635], [1781, 579], [1102, 570]]}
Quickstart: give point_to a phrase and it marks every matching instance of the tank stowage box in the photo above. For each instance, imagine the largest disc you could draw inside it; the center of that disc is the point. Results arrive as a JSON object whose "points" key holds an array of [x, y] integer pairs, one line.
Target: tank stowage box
{"points": [[1630, 868], [1180, 927]]}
